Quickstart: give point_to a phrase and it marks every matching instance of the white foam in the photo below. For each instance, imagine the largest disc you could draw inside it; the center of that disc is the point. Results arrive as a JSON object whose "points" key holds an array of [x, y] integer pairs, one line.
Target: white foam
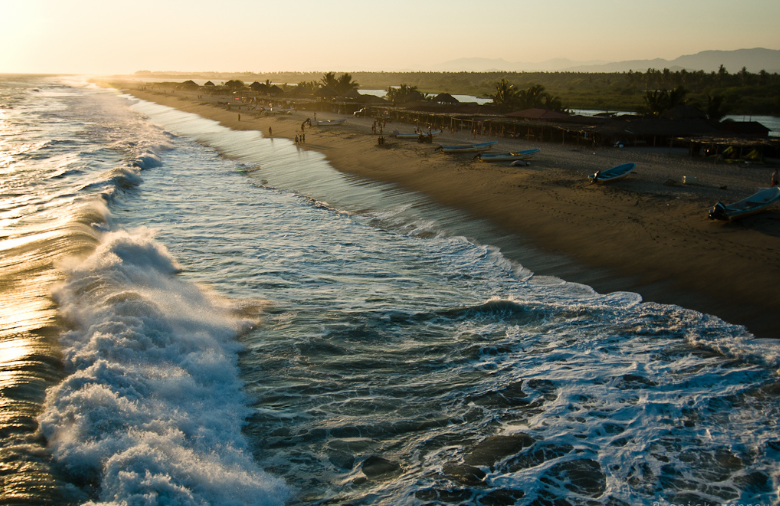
{"points": [[152, 407]]}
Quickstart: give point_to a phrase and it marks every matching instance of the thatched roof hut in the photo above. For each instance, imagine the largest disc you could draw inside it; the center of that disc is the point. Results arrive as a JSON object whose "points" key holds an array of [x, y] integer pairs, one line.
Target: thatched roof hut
{"points": [[354, 94], [259, 87], [683, 112], [536, 113], [326, 92], [445, 98], [634, 127]]}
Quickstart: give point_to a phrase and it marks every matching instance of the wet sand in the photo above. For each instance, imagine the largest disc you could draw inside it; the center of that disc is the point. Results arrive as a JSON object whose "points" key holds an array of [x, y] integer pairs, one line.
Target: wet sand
{"points": [[643, 234]]}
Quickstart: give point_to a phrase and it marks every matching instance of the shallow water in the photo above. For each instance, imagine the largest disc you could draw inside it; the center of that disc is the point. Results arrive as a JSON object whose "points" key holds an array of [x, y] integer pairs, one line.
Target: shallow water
{"points": [[245, 325]]}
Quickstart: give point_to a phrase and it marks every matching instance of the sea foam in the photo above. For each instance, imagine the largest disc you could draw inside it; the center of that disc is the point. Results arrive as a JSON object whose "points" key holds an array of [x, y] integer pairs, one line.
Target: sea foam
{"points": [[152, 408]]}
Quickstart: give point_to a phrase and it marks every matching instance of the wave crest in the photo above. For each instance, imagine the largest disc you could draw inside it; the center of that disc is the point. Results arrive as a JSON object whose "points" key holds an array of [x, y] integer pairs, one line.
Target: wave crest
{"points": [[152, 406]]}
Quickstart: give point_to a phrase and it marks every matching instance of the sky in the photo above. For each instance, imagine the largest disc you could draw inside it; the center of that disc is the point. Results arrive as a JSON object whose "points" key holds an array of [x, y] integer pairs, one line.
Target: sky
{"points": [[121, 37]]}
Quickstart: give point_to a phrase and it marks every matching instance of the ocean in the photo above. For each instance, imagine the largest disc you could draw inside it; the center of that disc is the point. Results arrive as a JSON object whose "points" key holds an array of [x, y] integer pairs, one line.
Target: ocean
{"points": [[192, 315]]}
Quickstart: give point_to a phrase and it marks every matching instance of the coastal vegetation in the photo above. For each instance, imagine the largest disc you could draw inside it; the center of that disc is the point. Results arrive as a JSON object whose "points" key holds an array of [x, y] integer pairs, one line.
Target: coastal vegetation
{"points": [[508, 98], [742, 92]]}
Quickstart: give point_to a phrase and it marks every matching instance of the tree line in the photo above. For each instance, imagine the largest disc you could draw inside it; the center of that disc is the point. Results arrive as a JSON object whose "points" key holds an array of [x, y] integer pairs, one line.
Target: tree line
{"points": [[742, 92]]}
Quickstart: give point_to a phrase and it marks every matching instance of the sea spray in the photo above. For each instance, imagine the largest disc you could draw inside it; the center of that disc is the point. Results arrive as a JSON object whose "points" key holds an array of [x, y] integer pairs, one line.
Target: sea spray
{"points": [[152, 407]]}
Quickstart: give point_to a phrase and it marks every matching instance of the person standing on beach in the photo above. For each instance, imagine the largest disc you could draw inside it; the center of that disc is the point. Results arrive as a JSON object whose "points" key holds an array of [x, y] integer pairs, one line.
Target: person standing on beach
{"points": [[239, 117], [270, 132], [774, 178]]}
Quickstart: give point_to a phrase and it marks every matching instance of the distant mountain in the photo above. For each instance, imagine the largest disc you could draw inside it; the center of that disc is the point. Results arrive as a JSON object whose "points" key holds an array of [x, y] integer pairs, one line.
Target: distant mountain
{"points": [[754, 60], [493, 65]]}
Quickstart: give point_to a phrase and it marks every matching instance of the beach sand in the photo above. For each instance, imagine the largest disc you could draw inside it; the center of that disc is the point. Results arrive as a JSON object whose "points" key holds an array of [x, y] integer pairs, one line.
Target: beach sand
{"points": [[641, 234]]}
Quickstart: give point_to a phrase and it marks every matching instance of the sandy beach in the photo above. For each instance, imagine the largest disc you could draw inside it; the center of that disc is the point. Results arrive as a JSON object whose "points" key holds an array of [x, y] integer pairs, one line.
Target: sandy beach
{"points": [[647, 234]]}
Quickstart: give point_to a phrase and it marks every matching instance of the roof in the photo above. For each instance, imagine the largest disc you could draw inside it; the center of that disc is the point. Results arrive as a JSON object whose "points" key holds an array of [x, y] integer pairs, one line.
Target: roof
{"points": [[445, 98], [536, 113], [326, 91], [683, 112], [655, 126], [752, 128]]}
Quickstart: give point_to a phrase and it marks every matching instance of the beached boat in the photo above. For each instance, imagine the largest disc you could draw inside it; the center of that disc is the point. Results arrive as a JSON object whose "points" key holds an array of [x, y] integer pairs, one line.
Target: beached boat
{"points": [[275, 110], [613, 174], [509, 157], [754, 204], [433, 133], [468, 148], [328, 122]]}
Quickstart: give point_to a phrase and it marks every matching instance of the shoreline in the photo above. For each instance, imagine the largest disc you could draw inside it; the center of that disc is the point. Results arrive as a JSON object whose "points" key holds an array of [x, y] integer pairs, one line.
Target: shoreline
{"points": [[642, 234]]}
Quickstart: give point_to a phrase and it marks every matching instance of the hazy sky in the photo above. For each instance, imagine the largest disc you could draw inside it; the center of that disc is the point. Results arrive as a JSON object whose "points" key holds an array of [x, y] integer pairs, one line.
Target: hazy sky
{"points": [[102, 37]]}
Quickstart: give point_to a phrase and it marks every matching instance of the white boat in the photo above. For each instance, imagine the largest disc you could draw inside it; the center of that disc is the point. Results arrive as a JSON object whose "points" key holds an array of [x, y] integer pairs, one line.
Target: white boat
{"points": [[276, 110], [468, 148], [328, 122], [614, 174], [754, 204], [526, 154], [433, 133]]}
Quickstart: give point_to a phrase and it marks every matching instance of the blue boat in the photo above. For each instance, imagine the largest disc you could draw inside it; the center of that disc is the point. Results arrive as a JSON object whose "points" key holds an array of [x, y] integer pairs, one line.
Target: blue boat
{"points": [[614, 174]]}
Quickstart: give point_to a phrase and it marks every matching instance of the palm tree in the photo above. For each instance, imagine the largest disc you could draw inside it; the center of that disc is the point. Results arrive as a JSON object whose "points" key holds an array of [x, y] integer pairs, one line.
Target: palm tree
{"points": [[534, 96], [306, 88], [716, 108], [345, 84], [656, 102], [659, 101], [677, 97], [329, 80], [505, 97], [403, 93], [553, 103]]}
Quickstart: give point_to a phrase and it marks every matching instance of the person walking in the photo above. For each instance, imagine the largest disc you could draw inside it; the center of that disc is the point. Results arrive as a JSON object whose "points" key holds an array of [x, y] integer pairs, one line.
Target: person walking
{"points": [[774, 178]]}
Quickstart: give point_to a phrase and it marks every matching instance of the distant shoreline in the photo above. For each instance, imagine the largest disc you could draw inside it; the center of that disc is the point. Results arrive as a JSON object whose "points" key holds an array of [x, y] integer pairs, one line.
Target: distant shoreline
{"points": [[644, 234], [748, 92]]}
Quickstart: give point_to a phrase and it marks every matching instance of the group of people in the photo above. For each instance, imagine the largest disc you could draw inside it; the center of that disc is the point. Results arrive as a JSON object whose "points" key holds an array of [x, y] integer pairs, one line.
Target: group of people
{"points": [[378, 125]]}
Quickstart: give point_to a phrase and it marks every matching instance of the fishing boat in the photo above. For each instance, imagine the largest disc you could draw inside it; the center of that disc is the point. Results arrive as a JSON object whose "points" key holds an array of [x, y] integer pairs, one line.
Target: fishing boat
{"points": [[508, 157], [468, 148], [614, 174], [328, 122], [276, 110], [756, 203]]}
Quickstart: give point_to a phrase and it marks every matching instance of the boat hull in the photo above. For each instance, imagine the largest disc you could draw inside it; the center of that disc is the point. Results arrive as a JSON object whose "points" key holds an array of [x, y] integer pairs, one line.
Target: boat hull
{"points": [[469, 148], [756, 203], [329, 122], [509, 157], [433, 133], [614, 174]]}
